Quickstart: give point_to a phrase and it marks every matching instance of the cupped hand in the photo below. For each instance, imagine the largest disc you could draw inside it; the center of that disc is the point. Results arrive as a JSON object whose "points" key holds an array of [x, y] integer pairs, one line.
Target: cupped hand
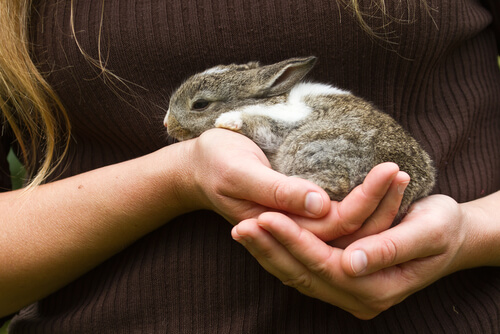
{"points": [[371, 274], [228, 173], [369, 208]]}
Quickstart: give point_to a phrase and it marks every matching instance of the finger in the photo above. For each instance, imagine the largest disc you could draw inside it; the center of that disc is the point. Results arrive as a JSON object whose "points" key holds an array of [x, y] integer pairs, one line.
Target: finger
{"points": [[347, 216], [242, 172], [384, 215], [271, 255], [410, 240], [303, 262], [388, 208], [274, 256], [364, 199], [313, 253], [262, 185]]}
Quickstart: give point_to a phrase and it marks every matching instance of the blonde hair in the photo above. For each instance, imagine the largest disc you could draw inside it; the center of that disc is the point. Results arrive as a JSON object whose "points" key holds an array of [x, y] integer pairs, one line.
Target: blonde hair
{"points": [[28, 104], [378, 10], [34, 112]]}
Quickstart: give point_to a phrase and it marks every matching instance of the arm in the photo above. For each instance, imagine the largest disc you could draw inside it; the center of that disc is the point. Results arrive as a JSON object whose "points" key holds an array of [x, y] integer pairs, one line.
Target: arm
{"points": [[437, 238], [58, 231]]}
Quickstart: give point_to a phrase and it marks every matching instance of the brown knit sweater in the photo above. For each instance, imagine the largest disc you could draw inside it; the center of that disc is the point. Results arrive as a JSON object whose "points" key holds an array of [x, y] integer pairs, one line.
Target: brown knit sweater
{"points": [[435, 72]]}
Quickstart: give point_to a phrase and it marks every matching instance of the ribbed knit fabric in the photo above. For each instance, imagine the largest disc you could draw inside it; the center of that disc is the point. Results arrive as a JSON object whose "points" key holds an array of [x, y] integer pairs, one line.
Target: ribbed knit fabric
{"points": [[435, 72]]}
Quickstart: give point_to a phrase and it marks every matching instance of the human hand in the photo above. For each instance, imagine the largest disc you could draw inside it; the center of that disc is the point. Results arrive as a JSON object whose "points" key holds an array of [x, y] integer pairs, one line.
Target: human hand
{"points": [[229, 174], [369, 208], [373, 273]]}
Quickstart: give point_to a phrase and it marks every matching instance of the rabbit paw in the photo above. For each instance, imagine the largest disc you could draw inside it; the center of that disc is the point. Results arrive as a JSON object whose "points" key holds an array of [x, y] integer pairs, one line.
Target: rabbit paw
{"points": [[230, 121]]}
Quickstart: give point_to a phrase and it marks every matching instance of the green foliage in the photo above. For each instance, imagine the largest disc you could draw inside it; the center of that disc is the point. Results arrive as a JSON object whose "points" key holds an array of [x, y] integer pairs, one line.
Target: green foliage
{"points": [[17, 171], [3, 330]]}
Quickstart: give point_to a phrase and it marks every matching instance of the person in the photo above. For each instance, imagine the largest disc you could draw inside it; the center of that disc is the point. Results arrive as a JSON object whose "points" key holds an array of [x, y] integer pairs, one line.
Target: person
{"points": [[123, 230]]}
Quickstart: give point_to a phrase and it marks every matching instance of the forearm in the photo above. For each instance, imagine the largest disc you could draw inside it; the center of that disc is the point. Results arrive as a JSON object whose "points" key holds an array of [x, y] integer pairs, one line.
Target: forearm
{"points": [[483, 239], [58, 231]]}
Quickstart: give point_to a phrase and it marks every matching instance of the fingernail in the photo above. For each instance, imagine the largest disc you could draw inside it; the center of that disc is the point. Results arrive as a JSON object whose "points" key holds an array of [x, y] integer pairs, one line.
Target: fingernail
{"points": [[314, 203], [242, 239], [402, 186], [359, 261]]}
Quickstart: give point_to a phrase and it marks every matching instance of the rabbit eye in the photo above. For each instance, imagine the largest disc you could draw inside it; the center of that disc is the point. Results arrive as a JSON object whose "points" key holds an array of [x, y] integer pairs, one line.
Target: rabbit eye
{"points": [[200, 105]]}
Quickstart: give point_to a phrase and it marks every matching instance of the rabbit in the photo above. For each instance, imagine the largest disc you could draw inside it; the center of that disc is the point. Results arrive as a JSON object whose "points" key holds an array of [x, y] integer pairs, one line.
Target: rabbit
{"points": [[310, 130]]}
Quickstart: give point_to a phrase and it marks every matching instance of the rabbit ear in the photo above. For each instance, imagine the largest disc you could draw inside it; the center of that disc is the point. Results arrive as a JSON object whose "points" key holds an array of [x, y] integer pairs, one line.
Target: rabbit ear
{"points": [[279, 78]]}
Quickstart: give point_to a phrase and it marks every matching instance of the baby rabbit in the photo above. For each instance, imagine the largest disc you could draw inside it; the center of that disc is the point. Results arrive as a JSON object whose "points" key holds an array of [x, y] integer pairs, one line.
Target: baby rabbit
{"points": [[310, 130]]}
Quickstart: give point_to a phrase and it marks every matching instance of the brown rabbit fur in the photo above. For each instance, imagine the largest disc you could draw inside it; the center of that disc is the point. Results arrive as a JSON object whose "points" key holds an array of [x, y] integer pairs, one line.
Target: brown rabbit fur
{"points": [[310, 130]]}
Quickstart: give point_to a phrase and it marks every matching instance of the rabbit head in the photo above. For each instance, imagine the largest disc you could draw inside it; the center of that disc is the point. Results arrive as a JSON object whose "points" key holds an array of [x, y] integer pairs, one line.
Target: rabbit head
{"points": [[202, 98]]}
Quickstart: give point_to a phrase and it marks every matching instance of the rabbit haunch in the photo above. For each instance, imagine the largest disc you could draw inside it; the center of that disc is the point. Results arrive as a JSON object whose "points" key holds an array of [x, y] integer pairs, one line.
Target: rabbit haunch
{"points": [[310, 130]]}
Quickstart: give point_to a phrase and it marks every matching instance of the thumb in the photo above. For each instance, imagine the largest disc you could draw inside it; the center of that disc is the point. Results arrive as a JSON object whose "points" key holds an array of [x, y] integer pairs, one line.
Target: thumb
{"points": [[405, 242], [284, 193]]}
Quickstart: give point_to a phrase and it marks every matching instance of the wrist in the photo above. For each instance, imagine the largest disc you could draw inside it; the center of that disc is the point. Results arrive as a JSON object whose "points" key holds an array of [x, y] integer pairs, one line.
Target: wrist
{"points": [[177, 176], [482, 226]]}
